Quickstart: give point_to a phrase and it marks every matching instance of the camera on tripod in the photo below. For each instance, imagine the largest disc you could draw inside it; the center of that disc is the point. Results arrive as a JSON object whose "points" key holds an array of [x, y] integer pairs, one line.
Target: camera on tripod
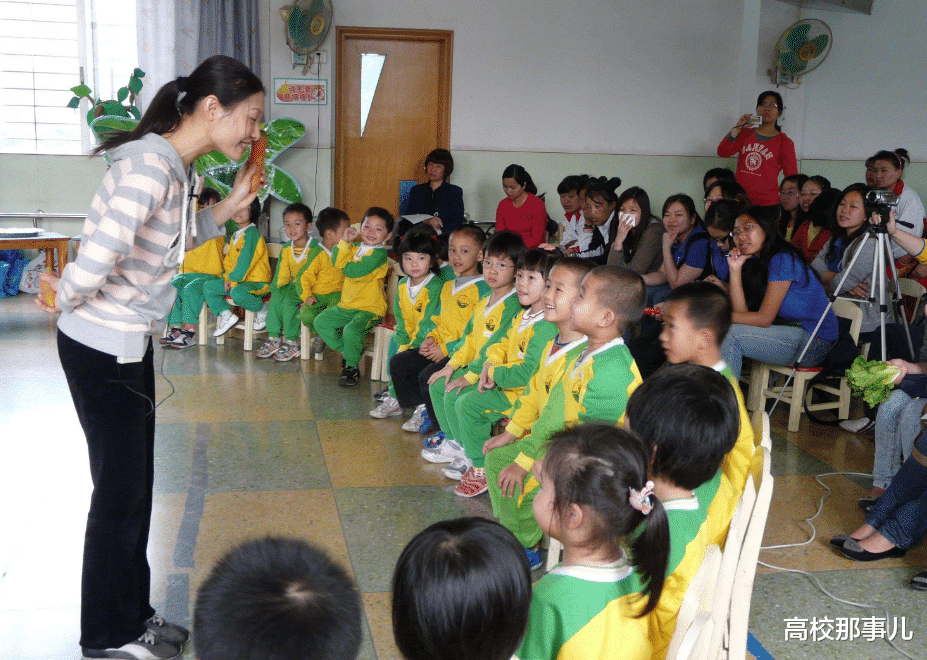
{"points": [[881, 201]]}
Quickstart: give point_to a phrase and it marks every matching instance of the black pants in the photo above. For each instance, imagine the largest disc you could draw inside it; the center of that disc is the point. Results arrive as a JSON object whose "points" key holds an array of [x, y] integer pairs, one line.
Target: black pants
{"points": [[115, 406], [410, 371]]}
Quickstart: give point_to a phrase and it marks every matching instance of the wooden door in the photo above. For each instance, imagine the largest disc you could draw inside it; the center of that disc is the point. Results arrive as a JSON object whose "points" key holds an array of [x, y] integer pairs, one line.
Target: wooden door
{"points": [[408, 115]]}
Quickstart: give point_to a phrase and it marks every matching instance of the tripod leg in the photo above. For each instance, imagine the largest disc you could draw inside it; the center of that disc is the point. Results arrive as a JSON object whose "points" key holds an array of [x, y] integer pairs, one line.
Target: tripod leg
{"points": [[898, 298]]}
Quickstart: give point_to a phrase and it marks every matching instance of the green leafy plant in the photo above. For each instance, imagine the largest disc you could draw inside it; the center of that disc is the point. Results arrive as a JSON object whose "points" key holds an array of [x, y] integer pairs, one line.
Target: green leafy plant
{"points": [[871, 380], [113, 107]]}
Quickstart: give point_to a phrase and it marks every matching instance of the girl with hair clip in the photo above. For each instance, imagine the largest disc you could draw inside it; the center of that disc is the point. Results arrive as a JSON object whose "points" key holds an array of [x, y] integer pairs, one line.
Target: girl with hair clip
{"points": [[596, 500], [113, 299], [886, 170], [637, 237], [762, 152], [790, 213], [685, 248], [521, 211], [769, 281]]}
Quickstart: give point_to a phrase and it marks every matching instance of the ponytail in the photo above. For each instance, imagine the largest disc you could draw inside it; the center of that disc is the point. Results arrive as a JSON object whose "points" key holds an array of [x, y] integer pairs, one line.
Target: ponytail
{"points": [[230, 81], [650, 553], [521, 177]]}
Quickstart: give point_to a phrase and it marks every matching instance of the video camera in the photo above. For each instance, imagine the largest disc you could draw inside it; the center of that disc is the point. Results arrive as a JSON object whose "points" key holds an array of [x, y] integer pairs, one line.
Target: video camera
{"points": [[881, 201]]}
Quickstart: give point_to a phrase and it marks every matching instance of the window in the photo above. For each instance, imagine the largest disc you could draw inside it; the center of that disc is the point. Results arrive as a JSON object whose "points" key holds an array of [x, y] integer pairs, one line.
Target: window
{"points": [[49, 46]]}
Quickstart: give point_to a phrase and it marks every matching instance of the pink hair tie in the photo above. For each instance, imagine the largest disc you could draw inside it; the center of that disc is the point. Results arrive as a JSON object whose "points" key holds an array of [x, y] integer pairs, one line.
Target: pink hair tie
{"points": [[640, 500]]}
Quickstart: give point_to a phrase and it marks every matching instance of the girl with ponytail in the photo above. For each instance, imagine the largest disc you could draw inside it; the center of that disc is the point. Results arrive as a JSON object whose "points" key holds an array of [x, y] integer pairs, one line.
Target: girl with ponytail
{"points": [[595, 498], [112, 300]]}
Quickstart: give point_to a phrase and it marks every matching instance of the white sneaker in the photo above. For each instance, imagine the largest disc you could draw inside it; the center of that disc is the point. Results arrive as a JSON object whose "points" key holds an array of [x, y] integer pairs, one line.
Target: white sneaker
{"points": [[446, 452], [225, 322], [269, 349], [389, 408], [859, 425], [415, 420], [260, 319], [457, 469]]}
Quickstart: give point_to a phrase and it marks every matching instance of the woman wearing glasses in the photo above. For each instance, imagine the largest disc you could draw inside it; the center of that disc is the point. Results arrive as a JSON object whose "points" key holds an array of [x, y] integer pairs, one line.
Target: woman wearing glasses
{"points": [[815, 203], [762, 151], [769, 280]]}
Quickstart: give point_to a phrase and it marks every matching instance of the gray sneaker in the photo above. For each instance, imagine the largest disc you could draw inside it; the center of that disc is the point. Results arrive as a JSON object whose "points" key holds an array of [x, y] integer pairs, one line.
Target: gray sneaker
{"points": [[446, 452], [150, 646], [171, 633], [457, 469]]}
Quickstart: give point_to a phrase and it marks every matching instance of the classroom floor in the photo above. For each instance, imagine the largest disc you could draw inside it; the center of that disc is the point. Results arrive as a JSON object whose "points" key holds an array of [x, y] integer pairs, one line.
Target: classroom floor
{"points": [[249, 447]]}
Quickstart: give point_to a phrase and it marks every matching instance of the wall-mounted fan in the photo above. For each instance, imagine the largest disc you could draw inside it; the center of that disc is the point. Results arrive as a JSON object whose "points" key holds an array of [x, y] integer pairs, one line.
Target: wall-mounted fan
{"points": [[307, 25], [800, 49]]}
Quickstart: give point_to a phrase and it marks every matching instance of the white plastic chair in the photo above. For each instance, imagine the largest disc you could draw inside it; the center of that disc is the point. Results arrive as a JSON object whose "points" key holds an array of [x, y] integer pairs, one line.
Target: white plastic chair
{"points": [[247, 325], [761, 433], [695, 622]]}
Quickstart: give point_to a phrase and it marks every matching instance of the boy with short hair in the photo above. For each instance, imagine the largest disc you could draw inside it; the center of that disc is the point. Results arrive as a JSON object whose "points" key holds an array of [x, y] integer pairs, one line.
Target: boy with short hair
{"points": [[595, 385], [574, 239], [277, 599], [320, 283], [688, 417], [363, 295], [283, 308]]}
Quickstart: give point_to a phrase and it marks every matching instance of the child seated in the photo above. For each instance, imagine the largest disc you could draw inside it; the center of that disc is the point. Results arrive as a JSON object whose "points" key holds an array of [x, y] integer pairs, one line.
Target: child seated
{"points": [[410, 370], [595, 385], [246, 274], [344, 327], [574, 239], [594, 498], [200, 265], [687, 416], [461, 589], [509, 365], [320, 283], [277, 599], [417, 299], [285, 297], [491, 319], [696, 319]]}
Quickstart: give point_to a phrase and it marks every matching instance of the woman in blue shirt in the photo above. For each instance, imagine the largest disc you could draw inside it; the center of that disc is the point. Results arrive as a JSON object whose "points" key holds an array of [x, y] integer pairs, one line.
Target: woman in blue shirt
{"points": [[770, 281]]}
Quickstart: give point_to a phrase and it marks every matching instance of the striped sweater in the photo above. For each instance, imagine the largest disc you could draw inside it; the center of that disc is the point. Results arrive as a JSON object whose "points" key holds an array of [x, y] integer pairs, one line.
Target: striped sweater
{"points": [[118, 290]]}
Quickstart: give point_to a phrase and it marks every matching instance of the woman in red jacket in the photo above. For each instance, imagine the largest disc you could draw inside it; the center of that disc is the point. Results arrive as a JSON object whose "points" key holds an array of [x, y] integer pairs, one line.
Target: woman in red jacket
{"points": [[763, 151], [521, 211]]}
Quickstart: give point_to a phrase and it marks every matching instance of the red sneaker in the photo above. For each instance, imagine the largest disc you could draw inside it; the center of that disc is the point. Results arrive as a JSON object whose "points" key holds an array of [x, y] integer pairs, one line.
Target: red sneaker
{"points": [[473, 483]]}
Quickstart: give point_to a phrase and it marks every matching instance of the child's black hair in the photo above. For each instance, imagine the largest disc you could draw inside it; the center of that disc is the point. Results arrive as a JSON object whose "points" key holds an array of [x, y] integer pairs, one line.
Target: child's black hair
{"points": [[209, 196], [707, 306], [277, 599], [330, 219], [423, 239], [623, 292], [299, 207], [461, 590], [382, 213], [595, 466], [721, 173], [521, 177], [444, 242], [504, 244], [572, 183], [536, 260], [254, 211], [473, 231], [576, 265], [689, 418]]}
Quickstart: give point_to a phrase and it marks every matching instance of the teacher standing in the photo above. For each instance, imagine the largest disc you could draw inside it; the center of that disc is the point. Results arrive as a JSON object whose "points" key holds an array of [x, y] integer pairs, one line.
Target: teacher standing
{"points": [[762, 151], [113, 299]]}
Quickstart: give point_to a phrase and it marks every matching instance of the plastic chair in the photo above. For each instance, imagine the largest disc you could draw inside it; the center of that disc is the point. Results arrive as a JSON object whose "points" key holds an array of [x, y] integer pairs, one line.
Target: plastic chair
{"points": [[553, 553], [761, 433], [912, 292], [795, 394], [247, 325], [695, 622], [383, 333]]}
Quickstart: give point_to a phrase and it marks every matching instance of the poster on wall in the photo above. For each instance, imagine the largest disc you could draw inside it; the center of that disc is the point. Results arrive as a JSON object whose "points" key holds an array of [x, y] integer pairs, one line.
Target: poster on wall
{"points": [[300, 91]]}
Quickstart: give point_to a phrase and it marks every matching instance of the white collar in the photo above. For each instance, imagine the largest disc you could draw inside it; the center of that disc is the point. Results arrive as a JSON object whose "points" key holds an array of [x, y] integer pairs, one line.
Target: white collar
{"points": [[413, 291], [683, 504], [585, 357], [489, 308], [240, 231], [566, 348]]}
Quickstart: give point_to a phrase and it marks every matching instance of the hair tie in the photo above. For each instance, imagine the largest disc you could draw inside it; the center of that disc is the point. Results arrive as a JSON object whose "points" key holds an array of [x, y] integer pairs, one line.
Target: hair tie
{"points": [[640, 500]]}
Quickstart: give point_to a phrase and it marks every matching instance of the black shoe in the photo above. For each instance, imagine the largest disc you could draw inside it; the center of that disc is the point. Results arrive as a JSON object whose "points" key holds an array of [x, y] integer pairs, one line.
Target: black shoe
{"points": [[839, 540], [851, 550], [349, 377], [919, 581], [866, 503]]}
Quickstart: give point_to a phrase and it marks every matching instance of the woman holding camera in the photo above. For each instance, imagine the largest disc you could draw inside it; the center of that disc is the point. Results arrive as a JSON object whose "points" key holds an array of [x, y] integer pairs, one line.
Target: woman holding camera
{"points": [[886, 169], [762, 149]]}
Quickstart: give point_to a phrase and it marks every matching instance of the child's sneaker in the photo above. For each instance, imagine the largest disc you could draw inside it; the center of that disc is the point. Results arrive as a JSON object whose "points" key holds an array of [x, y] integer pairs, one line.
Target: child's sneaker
{"points": [[534, 557], [349, 377], [389, 408], [169, 632], [260, 319], [415, 420], [288, 351], [170, 336], [269, 349], [473, 483], [434, 440], [226, 321], [445, 452], [457, 469], [150, 646], [184, 339], [381, 396], [427, 425]]}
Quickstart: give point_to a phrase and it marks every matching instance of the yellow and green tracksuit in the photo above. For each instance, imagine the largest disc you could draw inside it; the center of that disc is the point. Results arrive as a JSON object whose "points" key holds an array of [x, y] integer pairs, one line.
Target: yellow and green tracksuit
{"points": [[512, 360], [246, 268], [201, 264], [736, 464], [458, 300], [322, 280], [363, 299], [283, 308], [412, 308], [594, 388], [525, 415], [488, 324], [586, 612]]}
